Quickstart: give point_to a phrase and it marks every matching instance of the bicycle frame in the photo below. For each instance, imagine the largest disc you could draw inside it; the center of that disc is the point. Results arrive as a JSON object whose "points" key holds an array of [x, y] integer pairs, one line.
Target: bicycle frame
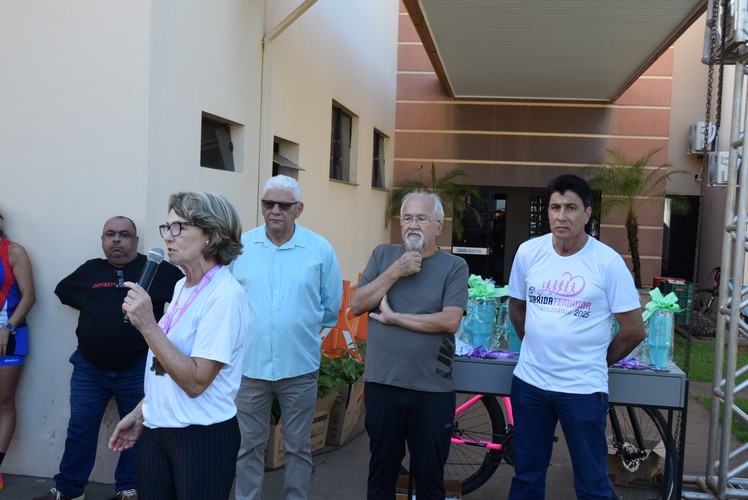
{"points": [[631, 432], [482, 443], [743, 293]]}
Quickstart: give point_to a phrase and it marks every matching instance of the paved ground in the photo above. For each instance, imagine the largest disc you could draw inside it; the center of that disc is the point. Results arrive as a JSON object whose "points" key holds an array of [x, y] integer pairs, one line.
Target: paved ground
{"points": [[340, 472]]}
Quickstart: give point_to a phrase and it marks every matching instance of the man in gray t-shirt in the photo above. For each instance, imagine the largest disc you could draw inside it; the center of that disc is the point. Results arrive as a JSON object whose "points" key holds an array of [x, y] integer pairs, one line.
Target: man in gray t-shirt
{"points": [[416, 295]]}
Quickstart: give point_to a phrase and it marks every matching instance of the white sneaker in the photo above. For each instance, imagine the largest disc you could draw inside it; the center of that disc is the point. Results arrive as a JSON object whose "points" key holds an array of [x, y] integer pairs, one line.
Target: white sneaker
{"points": [[53, 494]]}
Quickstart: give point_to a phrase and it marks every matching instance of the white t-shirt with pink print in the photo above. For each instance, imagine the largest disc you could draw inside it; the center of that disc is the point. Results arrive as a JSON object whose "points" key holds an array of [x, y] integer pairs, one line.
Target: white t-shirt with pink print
{"points": [[570, 305]]}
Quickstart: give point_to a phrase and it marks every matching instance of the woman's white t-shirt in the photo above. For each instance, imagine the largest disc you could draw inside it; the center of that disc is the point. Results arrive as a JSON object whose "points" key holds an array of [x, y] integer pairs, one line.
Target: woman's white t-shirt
{"points": [[212, 327]]}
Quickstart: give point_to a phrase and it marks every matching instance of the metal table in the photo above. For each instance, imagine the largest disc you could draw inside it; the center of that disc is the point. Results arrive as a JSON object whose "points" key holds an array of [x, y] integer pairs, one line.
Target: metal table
{"points": [[663, 390]]}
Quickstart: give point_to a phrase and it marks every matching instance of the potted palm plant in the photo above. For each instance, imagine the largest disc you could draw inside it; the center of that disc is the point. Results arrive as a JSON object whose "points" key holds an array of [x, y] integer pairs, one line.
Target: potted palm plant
{"points": [[626, 185]]}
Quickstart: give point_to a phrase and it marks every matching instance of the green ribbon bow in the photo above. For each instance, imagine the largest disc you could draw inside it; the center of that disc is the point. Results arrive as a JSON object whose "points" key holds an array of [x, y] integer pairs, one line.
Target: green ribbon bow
{"points": [[668, 302], [479, 288]]}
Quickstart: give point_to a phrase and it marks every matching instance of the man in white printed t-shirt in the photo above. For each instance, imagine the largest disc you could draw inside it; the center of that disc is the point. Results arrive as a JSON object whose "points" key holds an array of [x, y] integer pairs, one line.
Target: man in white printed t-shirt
{"points": [[565, 289]]}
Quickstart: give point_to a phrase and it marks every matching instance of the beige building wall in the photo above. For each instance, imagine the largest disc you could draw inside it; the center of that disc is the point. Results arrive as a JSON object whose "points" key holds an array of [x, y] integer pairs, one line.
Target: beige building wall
{"points": [[343, 51], [689, 106], [102, 106], [75, 112]]}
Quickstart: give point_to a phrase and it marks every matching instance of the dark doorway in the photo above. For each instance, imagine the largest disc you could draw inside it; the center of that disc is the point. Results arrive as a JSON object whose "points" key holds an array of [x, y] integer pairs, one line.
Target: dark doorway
{"points": [[482, 243], [679, 240]]}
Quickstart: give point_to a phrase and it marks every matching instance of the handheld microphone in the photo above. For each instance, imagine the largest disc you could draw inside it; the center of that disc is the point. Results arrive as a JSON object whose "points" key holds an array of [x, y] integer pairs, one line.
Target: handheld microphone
{"points": [[154, 258]]}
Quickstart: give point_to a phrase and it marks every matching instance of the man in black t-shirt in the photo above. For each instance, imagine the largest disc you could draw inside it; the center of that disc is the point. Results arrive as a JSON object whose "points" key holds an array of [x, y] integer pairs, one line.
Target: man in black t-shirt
{"points": [[110, 358]]}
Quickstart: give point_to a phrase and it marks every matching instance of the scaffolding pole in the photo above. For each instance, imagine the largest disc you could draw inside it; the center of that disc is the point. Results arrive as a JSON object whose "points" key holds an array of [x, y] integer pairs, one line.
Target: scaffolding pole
{"points": [[724, 466]]}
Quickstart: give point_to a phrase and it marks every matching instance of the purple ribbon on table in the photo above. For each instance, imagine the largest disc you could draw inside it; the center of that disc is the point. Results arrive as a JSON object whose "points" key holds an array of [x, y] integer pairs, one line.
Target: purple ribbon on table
{"points": [[482, 352], [634, 364]]}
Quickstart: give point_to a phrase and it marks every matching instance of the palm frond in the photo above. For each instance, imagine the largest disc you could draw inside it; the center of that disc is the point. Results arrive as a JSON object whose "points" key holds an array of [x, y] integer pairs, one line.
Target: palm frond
{"points": [[453, 194], [627, 185]]}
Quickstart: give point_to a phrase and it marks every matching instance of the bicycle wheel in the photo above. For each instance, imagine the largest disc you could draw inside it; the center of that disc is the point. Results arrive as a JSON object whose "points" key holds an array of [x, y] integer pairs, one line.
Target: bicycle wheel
{"points": [[703, 313], [471, 464], [644, 456]]}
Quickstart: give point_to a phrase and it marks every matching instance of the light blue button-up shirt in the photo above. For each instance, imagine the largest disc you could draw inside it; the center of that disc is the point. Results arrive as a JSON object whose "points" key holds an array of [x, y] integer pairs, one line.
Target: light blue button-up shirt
{"points": [[294, 291]]}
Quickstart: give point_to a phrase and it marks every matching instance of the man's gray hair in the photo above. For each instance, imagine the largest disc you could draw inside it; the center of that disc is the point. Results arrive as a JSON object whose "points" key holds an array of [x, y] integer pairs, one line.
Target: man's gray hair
{"points": [[285, 183], [438, 207]]}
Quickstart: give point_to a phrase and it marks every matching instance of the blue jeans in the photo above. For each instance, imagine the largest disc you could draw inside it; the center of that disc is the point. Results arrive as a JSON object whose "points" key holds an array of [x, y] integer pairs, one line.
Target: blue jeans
{"points": [[582, 417], [91, 388]]}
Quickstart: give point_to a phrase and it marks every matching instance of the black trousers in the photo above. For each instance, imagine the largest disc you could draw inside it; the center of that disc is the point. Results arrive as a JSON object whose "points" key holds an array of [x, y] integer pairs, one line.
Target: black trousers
{"points": [[197, 462], [396, 416]]}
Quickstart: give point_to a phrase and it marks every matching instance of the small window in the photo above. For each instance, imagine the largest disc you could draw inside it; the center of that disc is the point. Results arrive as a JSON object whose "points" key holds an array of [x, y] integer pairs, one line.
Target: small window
{"points": [[216, 148], [340, 144], [377, 167], [286, 158]]}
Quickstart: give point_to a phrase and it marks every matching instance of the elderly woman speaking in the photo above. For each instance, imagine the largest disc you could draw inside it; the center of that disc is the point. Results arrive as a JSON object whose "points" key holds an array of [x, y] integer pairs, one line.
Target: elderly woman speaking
{"points": [[189, 437]]}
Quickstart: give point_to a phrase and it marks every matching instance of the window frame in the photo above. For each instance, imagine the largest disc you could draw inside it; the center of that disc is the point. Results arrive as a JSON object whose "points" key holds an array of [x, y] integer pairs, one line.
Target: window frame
{"points": [[379, 150], [342, 142]]}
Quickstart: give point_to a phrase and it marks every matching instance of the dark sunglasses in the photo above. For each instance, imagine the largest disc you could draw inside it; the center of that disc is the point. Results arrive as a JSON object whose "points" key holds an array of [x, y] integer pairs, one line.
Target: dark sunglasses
{"points": [[284, 205]]}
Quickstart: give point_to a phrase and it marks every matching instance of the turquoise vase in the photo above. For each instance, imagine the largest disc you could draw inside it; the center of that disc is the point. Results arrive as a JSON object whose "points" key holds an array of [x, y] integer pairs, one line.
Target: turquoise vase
{"points": [[482, 322], [660, 328], [507, 328]]}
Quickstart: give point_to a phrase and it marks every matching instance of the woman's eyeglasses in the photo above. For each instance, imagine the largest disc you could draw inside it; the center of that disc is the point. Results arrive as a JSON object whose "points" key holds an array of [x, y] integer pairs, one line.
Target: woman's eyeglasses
{"points": [[284, 205], [175, 228]]}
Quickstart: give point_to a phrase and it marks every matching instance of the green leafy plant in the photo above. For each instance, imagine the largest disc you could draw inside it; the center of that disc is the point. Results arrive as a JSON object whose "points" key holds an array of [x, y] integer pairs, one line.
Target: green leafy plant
{"points": [[453, 195], [333, 373], [627, 185]]}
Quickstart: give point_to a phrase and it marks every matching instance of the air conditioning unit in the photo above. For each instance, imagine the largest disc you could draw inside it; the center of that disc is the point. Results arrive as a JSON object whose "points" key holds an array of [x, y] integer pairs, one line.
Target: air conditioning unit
{"points": [[733, 15], [701, 137], [718, 167]]}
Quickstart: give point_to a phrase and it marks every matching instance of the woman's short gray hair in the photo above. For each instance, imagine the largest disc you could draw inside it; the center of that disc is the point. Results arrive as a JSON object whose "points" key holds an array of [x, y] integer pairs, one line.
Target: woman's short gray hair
{"points": [[213, 214], [438, 207], [285, 183]]}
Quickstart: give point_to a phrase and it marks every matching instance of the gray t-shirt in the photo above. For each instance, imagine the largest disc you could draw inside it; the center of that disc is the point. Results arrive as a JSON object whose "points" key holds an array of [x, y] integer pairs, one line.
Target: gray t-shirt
{"points": [[404, 358]]}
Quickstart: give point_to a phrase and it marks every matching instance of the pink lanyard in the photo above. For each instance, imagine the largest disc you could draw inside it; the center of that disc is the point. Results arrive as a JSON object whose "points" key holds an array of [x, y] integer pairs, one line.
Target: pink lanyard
{"points": [[169, 320]]}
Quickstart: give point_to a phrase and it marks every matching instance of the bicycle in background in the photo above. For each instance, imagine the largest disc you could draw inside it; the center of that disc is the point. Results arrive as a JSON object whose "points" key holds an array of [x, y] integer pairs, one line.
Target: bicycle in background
{"points": [[482, 437], [704, 306], [743, 302]]}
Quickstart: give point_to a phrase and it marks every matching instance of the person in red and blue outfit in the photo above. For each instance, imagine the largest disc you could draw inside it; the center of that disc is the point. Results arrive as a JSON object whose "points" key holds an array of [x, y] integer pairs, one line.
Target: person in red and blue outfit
{"points": [[16, 299]]}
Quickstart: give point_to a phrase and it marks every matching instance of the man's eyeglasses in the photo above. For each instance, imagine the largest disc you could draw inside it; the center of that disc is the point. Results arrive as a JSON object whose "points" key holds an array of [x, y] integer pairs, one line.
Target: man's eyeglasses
{"points": [[284, 205], [175, 228], [421, 220]]}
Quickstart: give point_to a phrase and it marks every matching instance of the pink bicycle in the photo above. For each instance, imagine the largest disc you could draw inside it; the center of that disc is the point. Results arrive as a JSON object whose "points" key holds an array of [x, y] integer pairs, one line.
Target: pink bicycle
{"points": [[483, 437]]}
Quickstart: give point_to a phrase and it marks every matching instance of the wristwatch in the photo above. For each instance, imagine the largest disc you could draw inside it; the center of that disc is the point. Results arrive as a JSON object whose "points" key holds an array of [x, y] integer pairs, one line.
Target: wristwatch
{"points": [[10, 327]]}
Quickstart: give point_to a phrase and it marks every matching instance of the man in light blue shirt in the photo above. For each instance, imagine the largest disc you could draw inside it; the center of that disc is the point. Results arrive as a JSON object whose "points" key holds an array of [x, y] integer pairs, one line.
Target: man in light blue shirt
{"points": [[294, 290]]}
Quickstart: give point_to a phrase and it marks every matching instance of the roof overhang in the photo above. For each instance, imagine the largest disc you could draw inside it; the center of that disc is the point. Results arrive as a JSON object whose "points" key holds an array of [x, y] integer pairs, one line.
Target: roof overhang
{"points": [[570, 50]]}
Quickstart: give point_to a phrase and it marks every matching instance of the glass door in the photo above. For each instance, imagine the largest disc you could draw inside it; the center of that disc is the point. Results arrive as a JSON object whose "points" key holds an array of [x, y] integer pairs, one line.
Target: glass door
{"points": [[481, 242]]}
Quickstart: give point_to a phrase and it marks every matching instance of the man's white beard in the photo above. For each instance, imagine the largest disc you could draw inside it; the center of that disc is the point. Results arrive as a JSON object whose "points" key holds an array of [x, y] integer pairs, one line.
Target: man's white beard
{"points": [[415, 245]]}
